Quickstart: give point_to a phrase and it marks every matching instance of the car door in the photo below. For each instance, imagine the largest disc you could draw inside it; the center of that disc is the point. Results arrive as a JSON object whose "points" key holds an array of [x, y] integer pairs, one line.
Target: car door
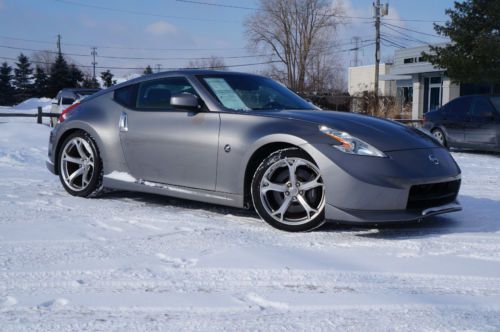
{"points": [[166, 145], [481, 123], [454, 119]]}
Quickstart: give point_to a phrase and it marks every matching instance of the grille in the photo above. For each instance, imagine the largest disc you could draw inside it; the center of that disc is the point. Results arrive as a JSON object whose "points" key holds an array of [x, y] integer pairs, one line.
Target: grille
{"points": [[424, 196]]}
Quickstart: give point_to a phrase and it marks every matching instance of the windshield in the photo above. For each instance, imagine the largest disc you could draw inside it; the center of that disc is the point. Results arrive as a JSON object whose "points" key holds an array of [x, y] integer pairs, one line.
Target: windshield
{"points": [[496, 102], [252, 93]]}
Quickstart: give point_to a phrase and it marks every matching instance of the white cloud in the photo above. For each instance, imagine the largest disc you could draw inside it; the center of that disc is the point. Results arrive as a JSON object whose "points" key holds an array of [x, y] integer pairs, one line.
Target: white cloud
{"points": [[162, 28]]}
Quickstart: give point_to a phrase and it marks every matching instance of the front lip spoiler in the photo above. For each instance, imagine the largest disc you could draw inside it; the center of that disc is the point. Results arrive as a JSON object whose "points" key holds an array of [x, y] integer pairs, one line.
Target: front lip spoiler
{"points": [[451, 207], [377, 217]]}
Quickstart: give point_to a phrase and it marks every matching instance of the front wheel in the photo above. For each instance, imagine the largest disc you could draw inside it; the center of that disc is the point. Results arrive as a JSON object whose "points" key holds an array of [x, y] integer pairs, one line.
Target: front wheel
{"points": [[80, 166], [288, 191], [439, 136]]}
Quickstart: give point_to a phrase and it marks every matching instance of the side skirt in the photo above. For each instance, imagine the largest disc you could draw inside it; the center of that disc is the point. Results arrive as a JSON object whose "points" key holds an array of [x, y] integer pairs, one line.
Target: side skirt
{"points": [[200, 195]]}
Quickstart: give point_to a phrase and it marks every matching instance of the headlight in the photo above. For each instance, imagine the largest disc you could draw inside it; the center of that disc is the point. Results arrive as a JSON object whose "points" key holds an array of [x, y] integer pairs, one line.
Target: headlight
{"points": [[351, 144]]}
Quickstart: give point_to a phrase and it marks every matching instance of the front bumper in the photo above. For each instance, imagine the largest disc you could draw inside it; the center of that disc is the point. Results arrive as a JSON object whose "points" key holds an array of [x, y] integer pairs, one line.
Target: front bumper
{"points": [[50, 166], [364, 189]]}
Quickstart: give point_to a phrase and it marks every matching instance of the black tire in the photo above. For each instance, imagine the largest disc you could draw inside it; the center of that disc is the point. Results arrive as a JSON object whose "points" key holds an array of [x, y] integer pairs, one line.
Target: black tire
{"points": [[439, 136], [94, 187], [315, 221]]}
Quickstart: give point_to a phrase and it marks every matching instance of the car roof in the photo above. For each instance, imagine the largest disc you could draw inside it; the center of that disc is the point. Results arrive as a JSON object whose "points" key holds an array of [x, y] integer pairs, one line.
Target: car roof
{"points": [[182, 72], [72, 92]]}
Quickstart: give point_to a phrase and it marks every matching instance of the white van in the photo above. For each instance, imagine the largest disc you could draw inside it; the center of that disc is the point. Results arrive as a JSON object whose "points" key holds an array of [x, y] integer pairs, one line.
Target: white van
{"points": [[67, 97]]}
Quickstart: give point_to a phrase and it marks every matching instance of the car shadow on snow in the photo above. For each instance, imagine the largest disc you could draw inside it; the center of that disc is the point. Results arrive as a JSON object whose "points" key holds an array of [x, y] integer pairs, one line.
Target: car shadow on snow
{"points": [[162, 201], [479, 215]]}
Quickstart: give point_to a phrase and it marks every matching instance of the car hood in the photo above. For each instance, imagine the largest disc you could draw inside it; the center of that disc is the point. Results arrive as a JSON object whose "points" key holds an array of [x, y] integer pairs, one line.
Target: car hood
{"points": [[385, 135]]}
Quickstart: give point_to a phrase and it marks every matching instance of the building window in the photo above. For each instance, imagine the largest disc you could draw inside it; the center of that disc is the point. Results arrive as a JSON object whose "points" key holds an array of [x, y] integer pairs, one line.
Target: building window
{"points": [[436, 80], [409, 60]]}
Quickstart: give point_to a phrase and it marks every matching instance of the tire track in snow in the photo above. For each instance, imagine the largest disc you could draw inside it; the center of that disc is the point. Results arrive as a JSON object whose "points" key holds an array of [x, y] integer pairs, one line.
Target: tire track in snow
{"points": [[164, 279]]}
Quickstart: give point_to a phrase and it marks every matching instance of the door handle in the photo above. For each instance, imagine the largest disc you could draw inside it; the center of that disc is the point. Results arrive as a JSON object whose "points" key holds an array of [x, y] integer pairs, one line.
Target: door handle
{"points": [[123, 123]]}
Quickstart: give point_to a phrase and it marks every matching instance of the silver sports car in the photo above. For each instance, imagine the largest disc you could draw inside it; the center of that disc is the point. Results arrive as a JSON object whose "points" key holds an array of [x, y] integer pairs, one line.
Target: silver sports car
{"points": [[244, 140]]}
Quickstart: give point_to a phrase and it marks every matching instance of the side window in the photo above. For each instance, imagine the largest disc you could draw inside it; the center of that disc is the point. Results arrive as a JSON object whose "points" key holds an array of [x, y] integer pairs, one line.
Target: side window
{"points": [[126, 96], [457, 108], [67, 101], [480, 107], [156, 94]]}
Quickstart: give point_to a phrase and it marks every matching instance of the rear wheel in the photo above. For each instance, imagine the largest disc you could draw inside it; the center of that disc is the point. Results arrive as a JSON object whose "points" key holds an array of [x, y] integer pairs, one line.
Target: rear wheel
{"points": [[439, 136], [80, 166], [288, 191]]}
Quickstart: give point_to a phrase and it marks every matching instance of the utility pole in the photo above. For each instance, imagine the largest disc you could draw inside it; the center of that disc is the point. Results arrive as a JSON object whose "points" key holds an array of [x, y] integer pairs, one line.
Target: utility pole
{"points": [[59, 44], [93, 53], [356, 41], [158, 68], [378, 11]]}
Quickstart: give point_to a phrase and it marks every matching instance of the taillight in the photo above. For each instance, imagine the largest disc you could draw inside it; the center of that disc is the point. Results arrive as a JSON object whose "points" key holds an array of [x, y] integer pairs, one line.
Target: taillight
{"points": [[64, 114]]}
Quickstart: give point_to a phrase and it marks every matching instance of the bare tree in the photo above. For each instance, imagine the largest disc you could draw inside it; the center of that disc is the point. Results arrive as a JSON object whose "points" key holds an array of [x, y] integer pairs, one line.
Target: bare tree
{"points": [[299, 33], [325, 74], [212, 62], [44, 59]]}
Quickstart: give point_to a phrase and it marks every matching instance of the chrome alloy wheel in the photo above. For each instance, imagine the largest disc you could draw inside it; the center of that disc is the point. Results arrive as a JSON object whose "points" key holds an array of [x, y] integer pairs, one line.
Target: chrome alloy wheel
{"points": [[438, 134], [77, 164], [292, 191]]}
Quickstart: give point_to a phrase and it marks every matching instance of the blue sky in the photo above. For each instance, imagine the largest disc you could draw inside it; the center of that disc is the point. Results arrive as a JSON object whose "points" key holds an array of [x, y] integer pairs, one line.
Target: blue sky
{"points": [[168, 24]]}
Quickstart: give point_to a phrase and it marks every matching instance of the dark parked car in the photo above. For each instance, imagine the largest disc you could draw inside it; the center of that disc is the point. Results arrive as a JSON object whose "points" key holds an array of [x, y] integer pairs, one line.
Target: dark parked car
{"points": [[467, 122]]}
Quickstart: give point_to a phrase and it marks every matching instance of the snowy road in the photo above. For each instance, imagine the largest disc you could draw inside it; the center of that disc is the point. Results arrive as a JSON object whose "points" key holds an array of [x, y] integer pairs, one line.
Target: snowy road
{"points": [[142, 262]]}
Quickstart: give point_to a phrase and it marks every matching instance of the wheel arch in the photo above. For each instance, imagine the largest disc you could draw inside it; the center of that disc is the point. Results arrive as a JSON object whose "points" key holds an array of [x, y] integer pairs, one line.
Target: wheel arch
{"points": [[256, 158], [68, 132]]}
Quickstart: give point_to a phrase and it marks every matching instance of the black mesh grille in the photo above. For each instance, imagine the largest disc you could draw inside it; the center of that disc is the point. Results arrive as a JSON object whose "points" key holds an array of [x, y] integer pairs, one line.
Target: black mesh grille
{"points": [[423, 196]]}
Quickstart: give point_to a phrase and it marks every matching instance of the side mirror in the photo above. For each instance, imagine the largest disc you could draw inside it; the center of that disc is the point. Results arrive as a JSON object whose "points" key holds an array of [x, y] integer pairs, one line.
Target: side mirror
{"points": [[186, 101]]}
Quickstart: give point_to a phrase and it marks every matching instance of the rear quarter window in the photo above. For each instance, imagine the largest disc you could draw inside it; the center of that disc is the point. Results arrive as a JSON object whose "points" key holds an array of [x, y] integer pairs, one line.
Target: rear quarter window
{"points": [[496, 103], [126, 96], [458, 107]]}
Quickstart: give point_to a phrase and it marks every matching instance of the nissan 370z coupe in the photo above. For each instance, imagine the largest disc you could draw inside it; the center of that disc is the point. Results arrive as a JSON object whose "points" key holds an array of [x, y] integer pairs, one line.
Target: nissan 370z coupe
{"points": [[244, 140]]}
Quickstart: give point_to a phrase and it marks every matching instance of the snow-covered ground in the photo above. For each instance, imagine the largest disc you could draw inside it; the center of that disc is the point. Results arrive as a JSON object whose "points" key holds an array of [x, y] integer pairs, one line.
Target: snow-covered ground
{"points": [[130, 261]]}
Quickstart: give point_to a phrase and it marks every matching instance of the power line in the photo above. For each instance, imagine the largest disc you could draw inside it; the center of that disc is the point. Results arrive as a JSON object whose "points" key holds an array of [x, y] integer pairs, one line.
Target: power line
{"points": [[137, 48], [127, 11], [408, 37], [393, 43], [135, 58], [171, 68], [217, 4], [213, 4], [415, 31], [124, 47], [174, 68]]}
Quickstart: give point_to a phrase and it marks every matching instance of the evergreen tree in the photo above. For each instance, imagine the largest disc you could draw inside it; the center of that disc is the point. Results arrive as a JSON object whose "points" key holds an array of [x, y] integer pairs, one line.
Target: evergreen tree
{"points": [[22, 78], [473, 56], [107, 78], [6, 88], [75, 76], [59, 76], [148, 70], [41, 82], [90, 83]]}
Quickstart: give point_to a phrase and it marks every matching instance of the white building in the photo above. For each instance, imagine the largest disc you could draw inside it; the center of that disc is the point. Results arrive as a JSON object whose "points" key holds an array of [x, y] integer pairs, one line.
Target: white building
{"points": [[418, 81], [412, 80], [362, 78]]}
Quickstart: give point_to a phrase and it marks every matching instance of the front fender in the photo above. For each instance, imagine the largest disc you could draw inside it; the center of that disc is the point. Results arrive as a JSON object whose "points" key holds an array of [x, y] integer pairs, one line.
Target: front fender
{"points": [[247, 134]]}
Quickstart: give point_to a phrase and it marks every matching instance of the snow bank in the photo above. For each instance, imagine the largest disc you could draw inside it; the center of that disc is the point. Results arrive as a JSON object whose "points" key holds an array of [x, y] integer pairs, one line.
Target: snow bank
{"points": [[34, 103]]}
